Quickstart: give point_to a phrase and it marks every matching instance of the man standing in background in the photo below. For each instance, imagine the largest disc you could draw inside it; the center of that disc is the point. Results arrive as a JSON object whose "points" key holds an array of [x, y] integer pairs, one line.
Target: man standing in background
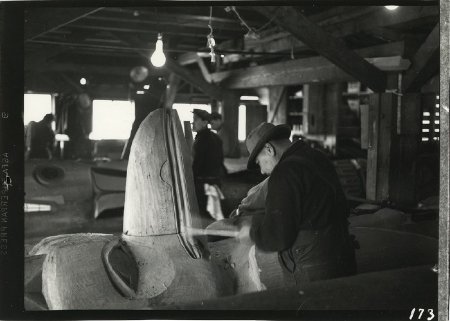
{"points": [[230, 146], [42, 138], [207, 158]]}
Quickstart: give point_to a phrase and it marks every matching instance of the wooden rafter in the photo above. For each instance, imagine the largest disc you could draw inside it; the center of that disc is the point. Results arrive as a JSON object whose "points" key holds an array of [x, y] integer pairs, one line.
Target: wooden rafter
{"points": [[425, 63], [329, 47], [50, 20], [209, 89], [205, 72], [346, 22]]}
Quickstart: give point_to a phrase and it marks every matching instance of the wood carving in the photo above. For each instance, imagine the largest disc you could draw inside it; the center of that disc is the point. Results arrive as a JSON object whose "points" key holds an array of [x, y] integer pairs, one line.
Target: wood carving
{"points": [[163, 258], [158, 260]]}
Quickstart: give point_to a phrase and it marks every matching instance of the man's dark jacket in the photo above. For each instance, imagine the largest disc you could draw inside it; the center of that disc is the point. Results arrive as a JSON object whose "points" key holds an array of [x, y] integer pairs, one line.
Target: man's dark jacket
{"points": [[42, 140], [207, 166], [208, 155], [306, 217]]}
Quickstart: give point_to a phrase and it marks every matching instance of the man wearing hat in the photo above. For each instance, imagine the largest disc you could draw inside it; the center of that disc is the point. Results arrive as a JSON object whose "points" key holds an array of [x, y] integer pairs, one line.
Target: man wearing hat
{"points": [[305, 217], [207, 158], [230, 145]]}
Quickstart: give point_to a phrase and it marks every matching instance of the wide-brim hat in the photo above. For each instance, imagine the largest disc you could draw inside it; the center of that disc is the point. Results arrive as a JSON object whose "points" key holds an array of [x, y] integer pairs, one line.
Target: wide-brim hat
{"points": [[261, 135], [203, 114]]}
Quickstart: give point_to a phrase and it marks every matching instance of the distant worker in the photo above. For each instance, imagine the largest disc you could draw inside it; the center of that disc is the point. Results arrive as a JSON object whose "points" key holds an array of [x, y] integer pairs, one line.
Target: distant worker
{"points": [[42, 138], [207, 158], [230, 145], [305, 214]]}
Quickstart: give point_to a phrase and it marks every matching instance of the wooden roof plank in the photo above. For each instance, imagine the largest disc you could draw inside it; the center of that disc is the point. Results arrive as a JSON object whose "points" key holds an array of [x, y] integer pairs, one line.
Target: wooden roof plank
{"points": [[331, 48]]}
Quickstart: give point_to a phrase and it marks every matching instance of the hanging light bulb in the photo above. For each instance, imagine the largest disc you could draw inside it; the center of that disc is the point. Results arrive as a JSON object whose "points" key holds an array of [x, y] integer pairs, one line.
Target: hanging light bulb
{"points": [[158, 58]]}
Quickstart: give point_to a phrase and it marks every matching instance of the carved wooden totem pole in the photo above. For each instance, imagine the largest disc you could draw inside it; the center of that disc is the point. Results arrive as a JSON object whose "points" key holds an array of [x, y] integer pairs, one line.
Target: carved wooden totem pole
{"points": [[157, 261]]}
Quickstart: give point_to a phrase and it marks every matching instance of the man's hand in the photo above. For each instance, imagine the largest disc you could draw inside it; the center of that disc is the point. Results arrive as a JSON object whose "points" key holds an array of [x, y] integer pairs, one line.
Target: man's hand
{"points": [[244, 225]]}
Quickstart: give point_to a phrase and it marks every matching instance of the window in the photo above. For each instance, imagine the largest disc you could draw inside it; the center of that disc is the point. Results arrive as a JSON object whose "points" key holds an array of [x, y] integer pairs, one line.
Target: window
{"points": [[111, 119], [36, 106], [242, 129], [430, 122], [185, 112]]}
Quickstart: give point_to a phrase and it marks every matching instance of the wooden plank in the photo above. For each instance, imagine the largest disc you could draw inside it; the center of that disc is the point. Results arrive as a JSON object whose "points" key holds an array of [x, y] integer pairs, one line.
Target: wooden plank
{"points": [[295, 72], [425, 63], [387, 129], [364, 117], [40, 21], [404, 152], [328, 46], [277, 108], [313, 104], [372, 153], [230, 113]]}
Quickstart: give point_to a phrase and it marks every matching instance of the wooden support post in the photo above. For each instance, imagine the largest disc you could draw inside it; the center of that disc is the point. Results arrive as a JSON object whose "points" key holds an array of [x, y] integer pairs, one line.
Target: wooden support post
{"points": [[393, 143], [277, 105], [322, 104], [333, 108], [230, 114], [404, 153], [313, 102], [382, 108]]}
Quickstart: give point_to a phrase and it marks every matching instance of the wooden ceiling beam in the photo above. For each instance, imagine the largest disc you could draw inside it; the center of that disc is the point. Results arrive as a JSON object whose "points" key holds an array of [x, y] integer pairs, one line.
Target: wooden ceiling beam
{"points": [[171, 16], [371, 19], [211, 90], [40, 21], [185, 31], [326, 45], [169, 20], [300, 71], [425, 63]]}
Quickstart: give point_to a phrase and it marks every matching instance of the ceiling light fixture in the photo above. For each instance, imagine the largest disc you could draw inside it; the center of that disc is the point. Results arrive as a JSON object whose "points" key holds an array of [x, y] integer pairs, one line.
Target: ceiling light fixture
{"points": [[211, 43], [83, 81], [158, 59], [391, 7]]}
